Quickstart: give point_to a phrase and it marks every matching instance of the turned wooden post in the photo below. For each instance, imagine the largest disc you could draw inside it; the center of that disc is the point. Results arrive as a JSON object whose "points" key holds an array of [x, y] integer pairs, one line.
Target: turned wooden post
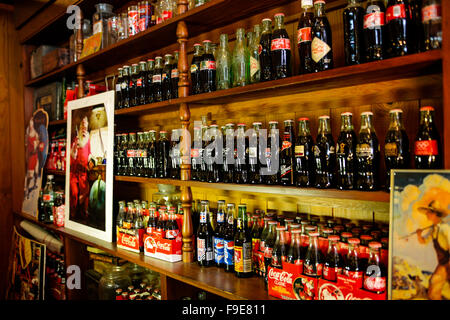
{"points": [[185, 147], [78, 49]]}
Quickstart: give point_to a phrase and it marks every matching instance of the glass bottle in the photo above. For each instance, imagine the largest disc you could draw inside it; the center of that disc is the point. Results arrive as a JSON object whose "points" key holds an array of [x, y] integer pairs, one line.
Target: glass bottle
{"points": [[272, 155], [175, 160], [280, 49], [133, 85], [304, 37], [150, 70], [242, 246], [268, 248], [324, 155], [131, 155], [321, 46], [125, 86], [141, 84], [427, 145], [166, 82], [346, 154], [287, 154], [304, 155], [228, 154], [294, 254], [333, 261], [354, 33], [241, 156], [151, 154], [375, 274], [162, 155], [432, 24], [48, 198], [256, 243], [228, 242], [255, 67], [279, 252], [175, 75], [399, 28], [396, 146], [208, 68], [119, 104], [196, 155], [223, 64], [265, 58], [241, 60], [195, 69], [205, 249], [313, 264], [254, 176], [353, 268], [219, 235], [158, 95], [374, 20]]}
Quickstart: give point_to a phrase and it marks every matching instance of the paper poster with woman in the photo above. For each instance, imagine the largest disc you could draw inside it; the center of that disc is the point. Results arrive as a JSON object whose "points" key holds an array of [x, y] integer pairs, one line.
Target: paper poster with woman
{"points": [[36, 150], [420, 235], [89, 177]]}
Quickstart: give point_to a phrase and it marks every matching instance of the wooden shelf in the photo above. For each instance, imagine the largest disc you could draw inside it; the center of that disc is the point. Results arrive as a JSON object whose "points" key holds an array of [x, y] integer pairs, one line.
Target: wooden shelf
{"points": [[337, 87], [210, 279], [56, 172], [56, 123]]}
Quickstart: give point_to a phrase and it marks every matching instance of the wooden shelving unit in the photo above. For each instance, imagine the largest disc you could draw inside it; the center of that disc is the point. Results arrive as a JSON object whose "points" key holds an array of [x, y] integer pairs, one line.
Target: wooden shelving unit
{"points": [[411, 81]]}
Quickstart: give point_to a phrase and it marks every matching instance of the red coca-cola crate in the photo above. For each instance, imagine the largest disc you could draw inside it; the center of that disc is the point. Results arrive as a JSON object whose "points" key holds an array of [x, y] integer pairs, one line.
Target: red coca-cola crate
{"points": [[130, 239], [157, 247], [345, 288]]}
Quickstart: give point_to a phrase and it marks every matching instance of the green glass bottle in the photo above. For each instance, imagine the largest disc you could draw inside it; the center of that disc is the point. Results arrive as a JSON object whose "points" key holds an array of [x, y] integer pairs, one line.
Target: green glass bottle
{"points": [[241, 61], [223, 61], [255, 67]]}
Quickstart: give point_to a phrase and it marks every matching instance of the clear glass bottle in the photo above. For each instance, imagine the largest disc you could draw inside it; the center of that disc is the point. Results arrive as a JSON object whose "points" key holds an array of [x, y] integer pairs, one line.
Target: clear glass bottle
{"points": [[255, 67], [241, 60], [100, 21], [223, 61]]}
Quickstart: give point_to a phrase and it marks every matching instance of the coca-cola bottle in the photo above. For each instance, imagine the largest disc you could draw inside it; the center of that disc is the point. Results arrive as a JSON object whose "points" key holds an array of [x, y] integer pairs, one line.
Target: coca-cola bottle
{"points": [[162, 155], [287, 154], [214, 139], [367, 154], [158, 95], [304, 37], [196, 155], [240, 60], [205, 248], [195, 69], [265, 58], [117, 159], [175, 160], [151, 154], [432, 24], [128, 223], [141, 84], [375, 274], [208, 68], [324, 155], [415, 7], [254, 65], [228, 154], [131, 154], [123, 170], [149, 86], [294, 254], [280, 49], [374, 21], [121, 215], [119, 104], [399, 27], [256, 242], [228, 240], [202, 174], [166, 81], [304, 156], [125, 86], [321, 46], [242, 246], [254, 176], [313, 265], [272, 155], [353, 268], [333, 260], [269, 244], [241, 156], [134, 99], [263, 236], [172, 229], [354, 33], [139, 226], [396, 145], [427, 154], [346, 154], [175, 75], [141, 154], [279, 252]]}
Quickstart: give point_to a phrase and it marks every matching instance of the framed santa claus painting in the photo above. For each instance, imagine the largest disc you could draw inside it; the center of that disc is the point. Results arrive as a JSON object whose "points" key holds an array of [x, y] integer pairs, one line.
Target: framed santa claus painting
{"points": [[89, 174]]}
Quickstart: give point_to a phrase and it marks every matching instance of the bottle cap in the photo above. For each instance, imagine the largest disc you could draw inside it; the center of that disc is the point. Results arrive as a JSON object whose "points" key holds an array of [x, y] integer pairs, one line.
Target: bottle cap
{"points": [[319, 1], [273, 222], [230, 205], [197, 45], [295, 231], [273, 122], [267, 19], [396, 111], [346, 114], [367, 113], [303, 119], [281, 228], [267, 218], [257, 123], [310, 228], [288, 121], [353, 241], [206, 41], [279, 15], [134, 65], [427, 108], [327, 230], [374, 245], [295, 226], [366, 237], [313, 234], [168, 55], [346, 234], [324, 117], [150, 60], [163, 131], [241, 124], [158, 57], [334, 237]]}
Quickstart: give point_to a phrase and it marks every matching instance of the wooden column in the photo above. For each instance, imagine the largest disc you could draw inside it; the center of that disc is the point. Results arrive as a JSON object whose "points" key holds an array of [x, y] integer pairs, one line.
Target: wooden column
{"points": [[446, 78], [78, 49], [185, 116]]}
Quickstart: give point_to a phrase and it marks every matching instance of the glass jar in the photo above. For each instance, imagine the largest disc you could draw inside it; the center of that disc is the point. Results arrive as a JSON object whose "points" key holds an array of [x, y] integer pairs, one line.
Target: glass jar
{"points": [[114, 278], [137, 274], [113, 30], [100, 21], [122, 29], [167, 195]]}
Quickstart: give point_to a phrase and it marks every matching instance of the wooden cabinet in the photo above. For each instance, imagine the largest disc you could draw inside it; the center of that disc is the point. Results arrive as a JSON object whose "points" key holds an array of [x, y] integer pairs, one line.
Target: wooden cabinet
{"points": [[407, 82]]}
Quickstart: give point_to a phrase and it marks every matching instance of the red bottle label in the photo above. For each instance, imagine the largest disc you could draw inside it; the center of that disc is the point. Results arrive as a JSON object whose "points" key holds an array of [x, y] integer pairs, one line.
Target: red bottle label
{"points": [[330, 273], [431, 12], [309, 270], [139, 82], [133, 22], [426, 148], [374, 20], [208, 65], [280, 44], [304, 35], [172, 234], [268, 252], [286, 145], [377, 284], [354, 274], [167, 15], [395, 12]]}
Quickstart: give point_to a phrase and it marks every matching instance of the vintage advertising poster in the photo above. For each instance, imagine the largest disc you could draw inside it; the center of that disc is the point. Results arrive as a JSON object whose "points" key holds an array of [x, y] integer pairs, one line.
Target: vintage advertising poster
{"points": [[420, 235], [36, 150], [89, 174], [26, 275]]}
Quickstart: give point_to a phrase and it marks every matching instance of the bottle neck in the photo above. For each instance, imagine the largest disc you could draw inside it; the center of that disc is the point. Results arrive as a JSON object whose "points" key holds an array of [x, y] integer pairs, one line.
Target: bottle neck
{"points": [[303, 128], [267, 26], [396, 121], [240, 37], [223, 42], [324, 126], [426, 118], [346, 123], [279, 23], [319, 9], [366, 124], [158, 64]]}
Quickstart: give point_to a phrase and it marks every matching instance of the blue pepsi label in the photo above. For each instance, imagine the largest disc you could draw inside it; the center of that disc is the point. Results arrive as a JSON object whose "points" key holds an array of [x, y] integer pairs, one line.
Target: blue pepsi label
{"points": [[219, 250], [228, 252]]}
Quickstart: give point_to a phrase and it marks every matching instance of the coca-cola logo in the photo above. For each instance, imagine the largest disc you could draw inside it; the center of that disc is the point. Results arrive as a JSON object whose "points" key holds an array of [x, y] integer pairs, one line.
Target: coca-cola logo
{"points": [[164, 246], [329, 291], [129, 241], [282, 276], [149, 245], [350, 296]]}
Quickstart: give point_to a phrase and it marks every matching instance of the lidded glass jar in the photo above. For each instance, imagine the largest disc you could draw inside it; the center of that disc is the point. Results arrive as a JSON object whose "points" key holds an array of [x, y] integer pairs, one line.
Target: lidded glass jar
{"points": [[100, 21], [167, 195], [114, 278]]}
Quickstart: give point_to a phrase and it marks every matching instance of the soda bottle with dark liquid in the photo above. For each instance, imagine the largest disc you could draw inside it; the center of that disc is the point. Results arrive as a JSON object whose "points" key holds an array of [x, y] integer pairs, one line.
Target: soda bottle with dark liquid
{"points": [[427, 154], [149, 87], [313, 265], [399, 27], [353, 267], [396, 145], [123, 170], [324, 155], [202, 174], [269, 244], [175, 75], [196, 155], [367, 155], [432, 24], [280, 49], [162, 155], [256, 243], [208, 69], [228, 154], [141, 84], [125, 87], [139, 227], [166, 81], [117, 164], [321, 46], [304, 156], [417, 27], [212, 168], [242, 246], [294, 254], [254, 176], [131, 155], [195, 69], [241, 156], [272, 153], [304, 37], [265, 58], [228, 241], [133, 85], [141, 153], [158, 95], [119, 104], [263, 237], [287, 154], [279, 252], [375, 274], [205, 250], [151, 154], [219, 235], [354, 33], [333, 260], [175, 160], [346, 154], [374, 20]]}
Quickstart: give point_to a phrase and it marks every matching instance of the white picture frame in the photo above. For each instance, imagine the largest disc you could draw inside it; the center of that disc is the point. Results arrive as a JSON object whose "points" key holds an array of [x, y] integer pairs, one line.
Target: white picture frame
{"points": [[79, 217]]}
